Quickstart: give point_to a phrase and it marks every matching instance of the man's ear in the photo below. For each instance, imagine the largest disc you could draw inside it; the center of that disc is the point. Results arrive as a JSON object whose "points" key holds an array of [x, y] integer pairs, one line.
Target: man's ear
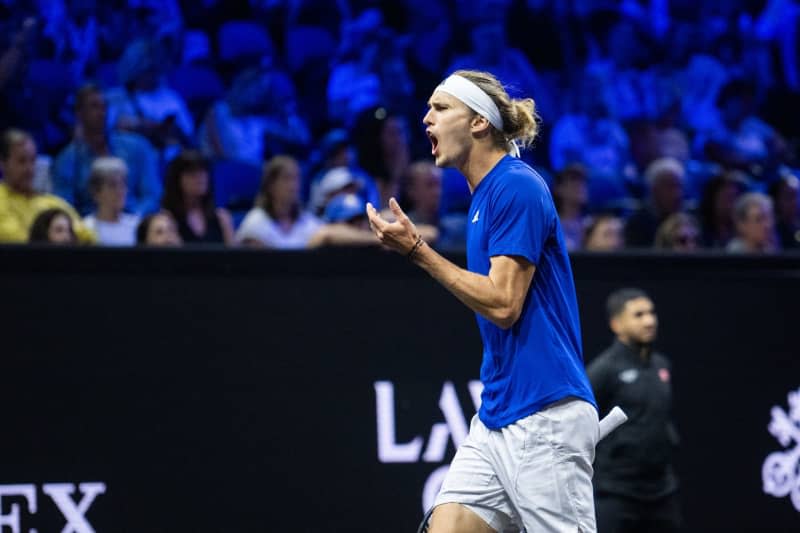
{"points": [[479, 124], [615, 325]]}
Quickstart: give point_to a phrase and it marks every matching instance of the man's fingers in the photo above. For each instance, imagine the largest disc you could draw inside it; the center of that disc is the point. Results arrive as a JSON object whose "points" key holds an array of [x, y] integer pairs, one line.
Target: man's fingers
{"points": [[398, 212], [375, 220]]}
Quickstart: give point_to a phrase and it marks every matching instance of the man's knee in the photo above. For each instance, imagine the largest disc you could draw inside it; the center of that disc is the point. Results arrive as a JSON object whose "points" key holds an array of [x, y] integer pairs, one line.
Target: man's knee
{"points": [[455, 518]]}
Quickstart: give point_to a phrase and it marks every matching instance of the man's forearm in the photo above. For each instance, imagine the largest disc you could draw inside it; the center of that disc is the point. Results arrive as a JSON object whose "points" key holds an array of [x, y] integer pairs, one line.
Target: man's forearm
{"points": [[476, 291]]}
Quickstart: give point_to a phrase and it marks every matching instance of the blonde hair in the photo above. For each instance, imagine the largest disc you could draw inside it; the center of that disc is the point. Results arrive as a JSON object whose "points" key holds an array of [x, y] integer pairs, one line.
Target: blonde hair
{"points": [[520, 121]]}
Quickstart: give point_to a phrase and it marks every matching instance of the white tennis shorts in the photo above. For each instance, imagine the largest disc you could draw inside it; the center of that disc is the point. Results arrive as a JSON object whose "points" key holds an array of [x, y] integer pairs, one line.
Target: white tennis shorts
{"points": [[534, 474]]}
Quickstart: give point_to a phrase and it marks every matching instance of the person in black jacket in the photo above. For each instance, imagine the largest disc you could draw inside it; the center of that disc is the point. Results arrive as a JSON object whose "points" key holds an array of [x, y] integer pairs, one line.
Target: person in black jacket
{"points": [[636, 488]]}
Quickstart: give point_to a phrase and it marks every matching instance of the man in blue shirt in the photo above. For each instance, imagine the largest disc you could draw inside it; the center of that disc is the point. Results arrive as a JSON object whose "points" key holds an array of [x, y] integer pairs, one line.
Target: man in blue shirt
{"points": [[92, 140], [527, 461]]}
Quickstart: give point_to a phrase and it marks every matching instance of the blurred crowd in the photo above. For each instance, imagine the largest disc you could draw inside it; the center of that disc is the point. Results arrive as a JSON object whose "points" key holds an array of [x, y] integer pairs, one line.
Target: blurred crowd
{"points": [[667, 124]]}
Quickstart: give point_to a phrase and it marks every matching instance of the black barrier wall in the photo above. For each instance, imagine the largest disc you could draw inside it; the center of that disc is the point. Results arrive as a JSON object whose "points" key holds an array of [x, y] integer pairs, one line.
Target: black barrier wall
{"points": [[237, 391]]}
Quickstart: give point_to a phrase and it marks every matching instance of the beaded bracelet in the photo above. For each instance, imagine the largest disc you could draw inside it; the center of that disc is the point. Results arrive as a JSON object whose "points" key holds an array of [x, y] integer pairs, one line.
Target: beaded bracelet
{"points": [[414, 248]]}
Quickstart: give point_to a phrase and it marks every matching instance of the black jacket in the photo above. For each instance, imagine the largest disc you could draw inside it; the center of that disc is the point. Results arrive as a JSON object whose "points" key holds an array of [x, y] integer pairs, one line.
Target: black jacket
{"points": [[635, 460]]}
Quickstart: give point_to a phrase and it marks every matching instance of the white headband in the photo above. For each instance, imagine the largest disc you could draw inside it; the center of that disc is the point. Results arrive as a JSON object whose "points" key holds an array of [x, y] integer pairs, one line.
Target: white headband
{"points": [[473, 97]]}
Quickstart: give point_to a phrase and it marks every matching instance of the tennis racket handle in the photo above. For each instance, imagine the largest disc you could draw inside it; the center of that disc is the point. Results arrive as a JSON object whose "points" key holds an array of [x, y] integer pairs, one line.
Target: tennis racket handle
{"points": [[615, 418]]}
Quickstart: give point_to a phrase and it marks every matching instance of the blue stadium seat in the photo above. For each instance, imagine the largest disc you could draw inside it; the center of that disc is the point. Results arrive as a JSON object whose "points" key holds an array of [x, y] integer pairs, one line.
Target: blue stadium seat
{"points": [[199, 86], [236, 184], [308, 43], [242, 39]]}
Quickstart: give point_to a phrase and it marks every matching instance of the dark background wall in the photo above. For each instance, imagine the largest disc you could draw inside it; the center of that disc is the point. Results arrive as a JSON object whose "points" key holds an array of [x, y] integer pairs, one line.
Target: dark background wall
{"points": [[235, 391]]}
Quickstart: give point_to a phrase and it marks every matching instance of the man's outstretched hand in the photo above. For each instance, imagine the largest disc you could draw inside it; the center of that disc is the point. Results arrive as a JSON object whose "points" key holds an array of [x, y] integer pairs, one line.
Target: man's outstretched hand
{"points": [[400, 235]]}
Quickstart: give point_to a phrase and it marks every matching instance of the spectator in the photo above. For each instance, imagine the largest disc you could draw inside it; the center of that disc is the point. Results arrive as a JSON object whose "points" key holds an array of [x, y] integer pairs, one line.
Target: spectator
{"points": [[604, 233], [144, 104], [739, 139], [92, 139], [490, 51], [277, 219], [52, 226], [257, 119], [665, 178], [189, 197], [592, 137], [346, 224], [783, 192], [716, 208], [421, 193], [19, 202], [370, 72], [755, 225], [108, 184], [679, 232], [158, 229], [382, 150], [570, 196], [335, 181]]}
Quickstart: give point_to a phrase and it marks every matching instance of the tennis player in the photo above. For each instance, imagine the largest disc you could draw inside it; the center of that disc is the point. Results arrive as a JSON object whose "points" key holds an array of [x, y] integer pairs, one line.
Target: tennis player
{"points": [[527, 461]]}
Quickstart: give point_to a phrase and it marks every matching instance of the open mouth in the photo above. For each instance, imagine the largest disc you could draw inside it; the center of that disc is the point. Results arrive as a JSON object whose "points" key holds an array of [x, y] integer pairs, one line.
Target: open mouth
{"points": [[434, 142]]}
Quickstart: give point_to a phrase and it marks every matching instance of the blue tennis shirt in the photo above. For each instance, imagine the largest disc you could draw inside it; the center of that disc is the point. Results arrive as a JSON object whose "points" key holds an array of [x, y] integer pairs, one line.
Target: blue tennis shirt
{"points": [[539, 359]]}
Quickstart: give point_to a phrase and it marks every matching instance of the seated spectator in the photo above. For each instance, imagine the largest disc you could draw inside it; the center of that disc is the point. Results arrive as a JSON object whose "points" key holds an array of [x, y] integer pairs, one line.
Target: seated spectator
{"points": [[144, 104], [739, 139], [108, 183], [571, 196], [755, 225], [422, 192], [604, 234], [370, 70], [490, 51], [19, 202], [592, 137], [383, 151], [783, 192], [52, 226], [335, 181], [716, 208], [665, 180], [346, 224], [277, 220], [158, 229], [189, 197], [92, 139], [257, 119], [679, 232]]}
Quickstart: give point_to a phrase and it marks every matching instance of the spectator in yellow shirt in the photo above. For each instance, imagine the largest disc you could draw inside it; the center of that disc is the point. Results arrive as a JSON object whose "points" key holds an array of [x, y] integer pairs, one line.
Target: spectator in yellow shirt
{"points": [[19, 202]]}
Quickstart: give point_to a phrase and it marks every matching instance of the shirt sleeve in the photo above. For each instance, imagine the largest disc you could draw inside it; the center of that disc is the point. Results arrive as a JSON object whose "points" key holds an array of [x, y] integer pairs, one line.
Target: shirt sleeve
{"points": [[598, 371], [520, 219]]}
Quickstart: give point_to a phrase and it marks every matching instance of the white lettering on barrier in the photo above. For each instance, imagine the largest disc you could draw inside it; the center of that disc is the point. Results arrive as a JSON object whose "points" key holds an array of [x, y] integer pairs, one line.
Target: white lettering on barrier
{"points": [[12, 519], [61, 494], [454, 427]]}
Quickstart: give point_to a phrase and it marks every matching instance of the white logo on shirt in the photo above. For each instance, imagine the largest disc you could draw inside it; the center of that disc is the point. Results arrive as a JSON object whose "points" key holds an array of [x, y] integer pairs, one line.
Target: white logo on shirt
{"points": [[779, 472], [629, 376], [475, 218]]}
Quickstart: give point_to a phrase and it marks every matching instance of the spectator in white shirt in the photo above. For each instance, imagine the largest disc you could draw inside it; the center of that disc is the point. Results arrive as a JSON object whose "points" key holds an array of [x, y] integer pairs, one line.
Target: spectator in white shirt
{"points": [[108, 185]]}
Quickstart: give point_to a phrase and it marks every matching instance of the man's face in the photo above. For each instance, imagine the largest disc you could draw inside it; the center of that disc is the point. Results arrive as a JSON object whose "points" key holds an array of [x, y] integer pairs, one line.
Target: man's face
{"points": [[668, 193], [92, 112], [448, 123], [637, 323], [19, 168]]}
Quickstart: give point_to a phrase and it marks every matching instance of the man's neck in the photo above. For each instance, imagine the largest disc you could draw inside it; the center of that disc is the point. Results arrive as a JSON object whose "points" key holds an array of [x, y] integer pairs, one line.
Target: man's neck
{"points": [[106, 214], [97, 141], [478, 164], [643, 350]]}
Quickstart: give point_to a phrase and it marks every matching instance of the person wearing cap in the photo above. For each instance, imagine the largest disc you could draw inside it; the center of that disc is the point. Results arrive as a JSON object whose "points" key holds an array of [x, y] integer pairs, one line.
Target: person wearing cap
{"points": [[346, 223], [527, 460]]}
